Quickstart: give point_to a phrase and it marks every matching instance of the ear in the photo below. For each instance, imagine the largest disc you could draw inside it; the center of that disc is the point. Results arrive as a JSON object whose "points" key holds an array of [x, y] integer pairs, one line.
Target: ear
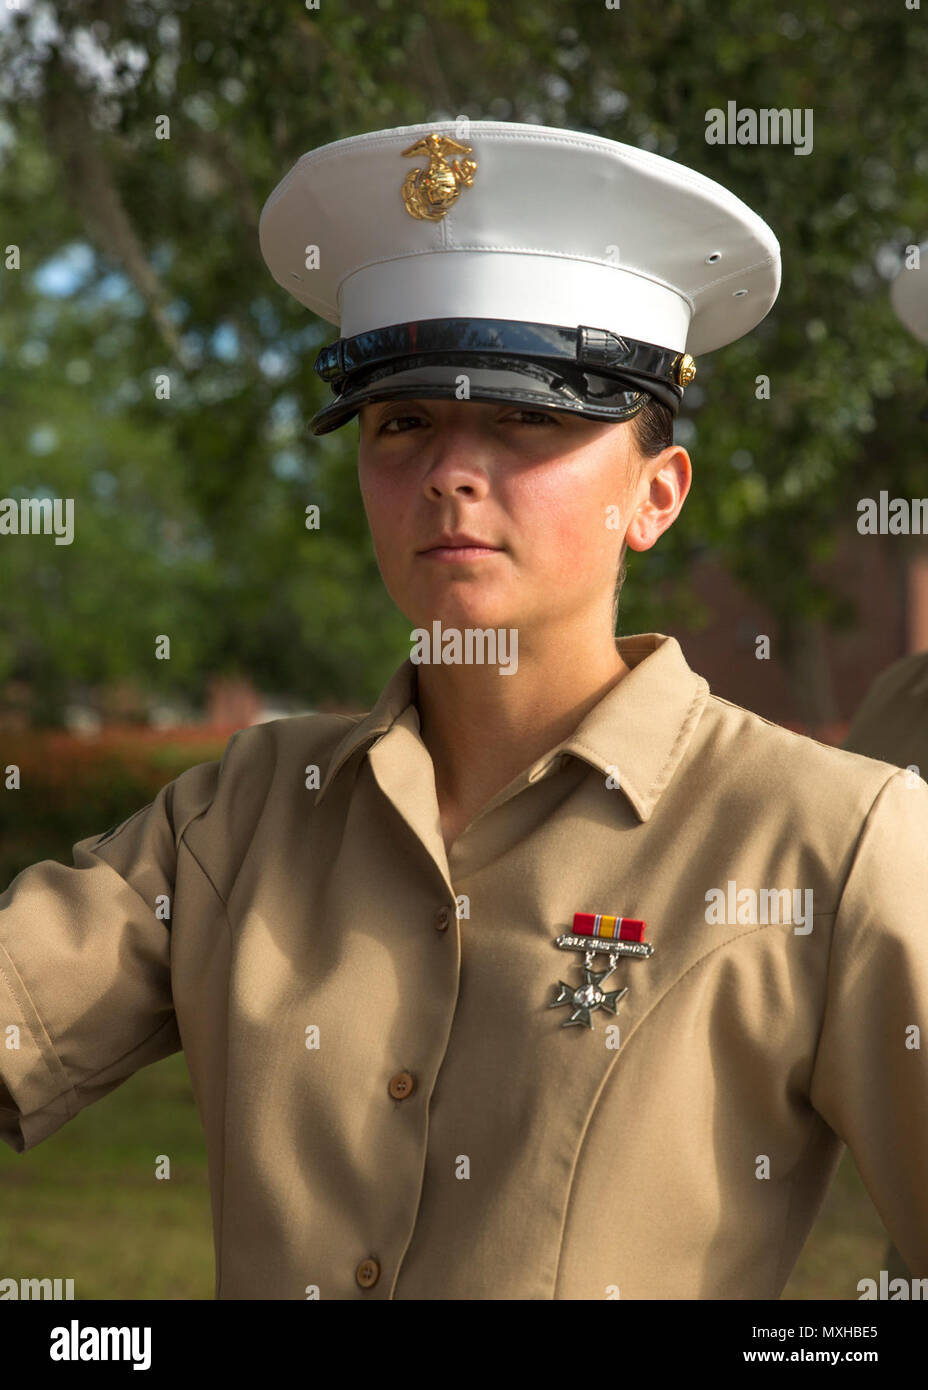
{"points": [[671, 474]]}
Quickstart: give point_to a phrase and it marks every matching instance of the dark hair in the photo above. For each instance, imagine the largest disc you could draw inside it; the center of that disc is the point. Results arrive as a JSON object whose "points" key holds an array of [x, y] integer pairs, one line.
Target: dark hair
{"points": [[653, 430]]}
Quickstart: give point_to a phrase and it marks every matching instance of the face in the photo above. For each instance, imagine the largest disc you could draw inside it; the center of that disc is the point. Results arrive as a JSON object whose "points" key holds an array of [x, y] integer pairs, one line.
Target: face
{"points": [[545, 499]]}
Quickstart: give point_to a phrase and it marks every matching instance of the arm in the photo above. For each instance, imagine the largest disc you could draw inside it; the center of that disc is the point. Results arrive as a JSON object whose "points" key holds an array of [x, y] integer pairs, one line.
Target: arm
{"points": [[870, 1078], [85, 965]]}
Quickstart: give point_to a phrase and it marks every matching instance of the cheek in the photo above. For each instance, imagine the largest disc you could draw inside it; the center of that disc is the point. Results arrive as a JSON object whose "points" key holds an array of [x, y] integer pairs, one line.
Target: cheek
{"points": [[386, 506], [563, 514]]}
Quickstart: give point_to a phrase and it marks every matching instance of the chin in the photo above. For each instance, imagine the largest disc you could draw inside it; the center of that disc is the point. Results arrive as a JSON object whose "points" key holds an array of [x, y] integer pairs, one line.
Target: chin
{"points": [[460, 605], [453, 614]]}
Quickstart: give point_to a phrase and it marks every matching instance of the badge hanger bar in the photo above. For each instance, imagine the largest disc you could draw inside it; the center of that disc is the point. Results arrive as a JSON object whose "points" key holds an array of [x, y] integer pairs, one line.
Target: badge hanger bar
{"points": [[641, 949]]}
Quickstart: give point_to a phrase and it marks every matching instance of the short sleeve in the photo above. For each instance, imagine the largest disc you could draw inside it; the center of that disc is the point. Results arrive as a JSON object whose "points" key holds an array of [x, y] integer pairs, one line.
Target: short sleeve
{"points": [[85, 965], [870, 1076]]}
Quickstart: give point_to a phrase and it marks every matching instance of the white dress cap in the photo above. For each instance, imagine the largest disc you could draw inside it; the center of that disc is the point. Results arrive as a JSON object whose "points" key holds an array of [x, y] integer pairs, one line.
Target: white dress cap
{"points": [[515, 224]]}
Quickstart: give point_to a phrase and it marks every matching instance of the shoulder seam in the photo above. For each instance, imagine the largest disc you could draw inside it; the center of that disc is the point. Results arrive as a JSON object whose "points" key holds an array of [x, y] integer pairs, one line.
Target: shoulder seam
{"points": [[791, 733]]}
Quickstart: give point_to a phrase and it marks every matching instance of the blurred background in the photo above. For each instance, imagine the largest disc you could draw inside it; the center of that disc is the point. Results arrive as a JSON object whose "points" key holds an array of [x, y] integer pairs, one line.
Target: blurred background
{"points": [[152, 371]]}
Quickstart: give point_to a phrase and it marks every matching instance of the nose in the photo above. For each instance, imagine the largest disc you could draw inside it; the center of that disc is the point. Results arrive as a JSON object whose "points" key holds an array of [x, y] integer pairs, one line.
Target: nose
{"points": [[457, 464]]}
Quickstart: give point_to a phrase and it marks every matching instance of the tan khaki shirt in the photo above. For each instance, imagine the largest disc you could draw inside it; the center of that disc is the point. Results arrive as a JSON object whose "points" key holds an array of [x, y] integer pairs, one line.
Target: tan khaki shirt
{"points": [[448, 1138], [892, 724]]}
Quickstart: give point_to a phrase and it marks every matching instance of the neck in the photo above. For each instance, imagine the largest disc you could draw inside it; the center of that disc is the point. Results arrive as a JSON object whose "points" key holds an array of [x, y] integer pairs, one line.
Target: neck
{"points": [[483, 728]]}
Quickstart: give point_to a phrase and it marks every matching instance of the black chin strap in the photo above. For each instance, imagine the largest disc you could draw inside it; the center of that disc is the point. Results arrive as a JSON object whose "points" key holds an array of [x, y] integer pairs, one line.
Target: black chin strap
{"points": [[641, 366]]}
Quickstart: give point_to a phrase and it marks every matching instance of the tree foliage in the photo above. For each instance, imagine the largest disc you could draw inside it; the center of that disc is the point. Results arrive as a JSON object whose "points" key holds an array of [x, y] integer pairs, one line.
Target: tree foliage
{"points": [[140, 257]]}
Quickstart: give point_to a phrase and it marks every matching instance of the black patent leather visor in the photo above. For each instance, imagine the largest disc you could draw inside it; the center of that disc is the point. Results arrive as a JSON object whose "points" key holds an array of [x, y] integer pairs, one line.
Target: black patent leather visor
{"points": [[495, 379], [585, 371]]}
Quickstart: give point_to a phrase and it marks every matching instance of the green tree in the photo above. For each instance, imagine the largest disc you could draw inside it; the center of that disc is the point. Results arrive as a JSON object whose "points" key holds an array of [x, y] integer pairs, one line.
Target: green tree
{"points": [[139, 260]]}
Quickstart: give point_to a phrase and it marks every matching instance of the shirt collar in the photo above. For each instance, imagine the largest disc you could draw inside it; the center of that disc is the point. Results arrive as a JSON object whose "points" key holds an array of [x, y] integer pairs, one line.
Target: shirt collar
{"points": [[636, 734]]}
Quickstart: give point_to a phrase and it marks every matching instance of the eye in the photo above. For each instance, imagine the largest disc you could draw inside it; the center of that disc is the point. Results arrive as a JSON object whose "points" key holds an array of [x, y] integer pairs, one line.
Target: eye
{"points": [[541, 416], [393, 420]]}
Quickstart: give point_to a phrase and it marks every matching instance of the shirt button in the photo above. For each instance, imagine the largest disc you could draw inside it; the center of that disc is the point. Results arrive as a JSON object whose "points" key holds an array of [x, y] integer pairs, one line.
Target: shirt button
{"points": [[367, 1273], [443, 919], [401, 1085]]}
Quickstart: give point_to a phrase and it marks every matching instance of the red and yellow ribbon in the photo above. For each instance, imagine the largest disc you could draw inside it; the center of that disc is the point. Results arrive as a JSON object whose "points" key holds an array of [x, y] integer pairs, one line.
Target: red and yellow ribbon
{"points": [[610, 928]]}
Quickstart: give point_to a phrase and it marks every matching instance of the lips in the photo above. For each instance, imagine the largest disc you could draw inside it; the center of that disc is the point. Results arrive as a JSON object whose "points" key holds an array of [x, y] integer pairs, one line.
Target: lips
{"points": [[457, 541]]}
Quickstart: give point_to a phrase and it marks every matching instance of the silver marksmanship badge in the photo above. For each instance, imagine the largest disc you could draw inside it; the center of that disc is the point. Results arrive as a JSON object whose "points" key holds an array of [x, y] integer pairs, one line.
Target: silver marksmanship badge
{"points": [[596, 932]]}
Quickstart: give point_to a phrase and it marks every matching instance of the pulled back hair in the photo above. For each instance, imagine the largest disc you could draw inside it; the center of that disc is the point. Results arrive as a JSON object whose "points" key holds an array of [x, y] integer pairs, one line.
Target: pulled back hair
{"points": [[653, 428], [653, 431]]}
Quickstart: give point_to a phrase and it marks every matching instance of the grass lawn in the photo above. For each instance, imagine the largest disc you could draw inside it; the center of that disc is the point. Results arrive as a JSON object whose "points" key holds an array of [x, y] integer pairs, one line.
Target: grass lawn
{"points": [[85, 1204]]}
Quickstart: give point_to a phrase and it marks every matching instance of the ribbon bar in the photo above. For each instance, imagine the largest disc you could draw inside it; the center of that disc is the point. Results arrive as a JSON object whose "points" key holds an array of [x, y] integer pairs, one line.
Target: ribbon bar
{"points": [[608, 927]]}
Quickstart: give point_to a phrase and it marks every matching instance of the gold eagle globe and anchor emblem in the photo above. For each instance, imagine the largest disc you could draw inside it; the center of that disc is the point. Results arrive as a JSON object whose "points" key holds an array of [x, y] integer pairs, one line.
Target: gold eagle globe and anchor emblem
{"points": [[429, 193]]}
